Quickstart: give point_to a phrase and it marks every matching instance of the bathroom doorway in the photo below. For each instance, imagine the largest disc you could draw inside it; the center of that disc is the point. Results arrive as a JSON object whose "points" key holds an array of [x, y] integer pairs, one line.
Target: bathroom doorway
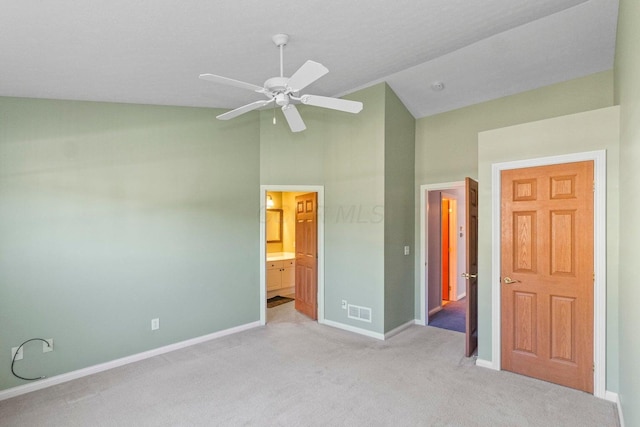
{"points": [[291, 256]]}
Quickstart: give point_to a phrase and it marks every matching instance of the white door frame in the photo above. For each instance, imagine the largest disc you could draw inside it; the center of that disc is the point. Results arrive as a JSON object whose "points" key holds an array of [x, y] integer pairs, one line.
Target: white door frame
{"points": [[599, 263], [424, 254], [319, 189]]}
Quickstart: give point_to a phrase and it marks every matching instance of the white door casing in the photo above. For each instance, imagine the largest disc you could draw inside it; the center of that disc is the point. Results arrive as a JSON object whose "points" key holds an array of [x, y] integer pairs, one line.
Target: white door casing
{"points": [[600, 291]]}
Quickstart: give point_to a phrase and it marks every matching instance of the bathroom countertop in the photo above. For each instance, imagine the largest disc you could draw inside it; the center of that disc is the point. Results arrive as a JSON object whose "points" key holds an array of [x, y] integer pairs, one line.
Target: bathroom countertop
{"points": [[280, 256]]}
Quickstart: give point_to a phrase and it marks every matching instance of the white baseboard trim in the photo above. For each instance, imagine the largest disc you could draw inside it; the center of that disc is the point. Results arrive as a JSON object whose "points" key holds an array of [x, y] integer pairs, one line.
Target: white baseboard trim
{"points": [[354, 329], [615, 398], [608, 395], [62, 378], [435, 310], [611, 396], [419, 322], [399, 329], [463, 295], [485, 364]]}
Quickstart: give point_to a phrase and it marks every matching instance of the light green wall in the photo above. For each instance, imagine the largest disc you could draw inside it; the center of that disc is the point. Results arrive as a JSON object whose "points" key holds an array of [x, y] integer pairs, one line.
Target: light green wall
{"points": [[447, 143], [345, 153], [129, 209], [627, 74], [365, 163], [114, 214], [292, 158], [593, 130], [354, 211], [399, 212]]}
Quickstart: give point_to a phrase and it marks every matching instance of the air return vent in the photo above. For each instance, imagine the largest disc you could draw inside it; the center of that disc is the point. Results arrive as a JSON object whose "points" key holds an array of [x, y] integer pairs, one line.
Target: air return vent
{"points": [[359, 313]]}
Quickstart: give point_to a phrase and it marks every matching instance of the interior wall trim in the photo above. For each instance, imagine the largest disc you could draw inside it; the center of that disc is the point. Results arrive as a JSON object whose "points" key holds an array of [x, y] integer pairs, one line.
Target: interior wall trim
{"points": [[354, 329], [486, 364], [599, 159], [73, 375], [615, 398]]}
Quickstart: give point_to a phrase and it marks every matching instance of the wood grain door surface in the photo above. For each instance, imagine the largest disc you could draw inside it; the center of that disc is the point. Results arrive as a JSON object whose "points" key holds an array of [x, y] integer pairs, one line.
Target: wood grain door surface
{"points": [[307, 255], [471, 224], [547, 273]]}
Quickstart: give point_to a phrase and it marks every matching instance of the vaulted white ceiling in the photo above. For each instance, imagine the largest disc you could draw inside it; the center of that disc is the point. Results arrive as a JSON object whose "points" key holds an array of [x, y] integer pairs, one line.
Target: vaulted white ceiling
{"points": [[152, 51]]}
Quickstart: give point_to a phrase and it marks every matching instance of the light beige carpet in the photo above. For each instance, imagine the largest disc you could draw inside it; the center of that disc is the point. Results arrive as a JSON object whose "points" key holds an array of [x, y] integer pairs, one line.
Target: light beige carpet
{"points": [[295, 372]]}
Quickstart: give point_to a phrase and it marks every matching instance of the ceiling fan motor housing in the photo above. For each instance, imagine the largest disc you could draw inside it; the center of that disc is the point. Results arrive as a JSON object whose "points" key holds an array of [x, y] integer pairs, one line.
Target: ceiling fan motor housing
{"points": [[276, 84]]}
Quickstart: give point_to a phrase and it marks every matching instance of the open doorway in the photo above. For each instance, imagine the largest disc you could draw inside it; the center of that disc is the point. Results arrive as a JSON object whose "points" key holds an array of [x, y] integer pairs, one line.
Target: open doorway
{"points": [[291, 255], [449, 247], [466, 240], [445, 237], [443, 253]]}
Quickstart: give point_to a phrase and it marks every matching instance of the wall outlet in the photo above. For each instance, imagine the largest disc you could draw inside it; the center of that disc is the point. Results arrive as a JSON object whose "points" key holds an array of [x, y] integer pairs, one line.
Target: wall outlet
{"points": [[155, 324], [407, 250], [344, 304], [13, 353], [47, 348]]}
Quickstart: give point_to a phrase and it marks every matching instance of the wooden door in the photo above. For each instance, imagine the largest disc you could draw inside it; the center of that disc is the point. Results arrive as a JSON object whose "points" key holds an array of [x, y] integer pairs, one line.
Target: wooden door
{"points": [[471, 223], [307, 255], [547, 273], [446, 286]]}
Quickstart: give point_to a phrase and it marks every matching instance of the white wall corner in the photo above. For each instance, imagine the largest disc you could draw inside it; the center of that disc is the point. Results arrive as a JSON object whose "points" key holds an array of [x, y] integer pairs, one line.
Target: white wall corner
{"points": [[615, 398], [399, 329], [486, 364]]}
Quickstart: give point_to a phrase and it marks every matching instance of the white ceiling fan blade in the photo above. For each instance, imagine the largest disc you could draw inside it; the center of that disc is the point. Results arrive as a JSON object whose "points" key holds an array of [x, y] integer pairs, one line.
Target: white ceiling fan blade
{"points": [[333, 103], [307, 74], [244, 109], [293, 118], [230, 82]]}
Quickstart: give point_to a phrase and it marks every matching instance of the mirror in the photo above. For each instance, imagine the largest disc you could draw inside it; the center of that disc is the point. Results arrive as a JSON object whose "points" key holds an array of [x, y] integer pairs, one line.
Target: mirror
{"points": [[274, 225]]}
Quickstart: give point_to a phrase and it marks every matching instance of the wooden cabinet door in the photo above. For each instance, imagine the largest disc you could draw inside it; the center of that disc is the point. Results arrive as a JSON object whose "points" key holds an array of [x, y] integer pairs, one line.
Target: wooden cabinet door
{"points": [[289, 273], [274, 275], [547, 273]]}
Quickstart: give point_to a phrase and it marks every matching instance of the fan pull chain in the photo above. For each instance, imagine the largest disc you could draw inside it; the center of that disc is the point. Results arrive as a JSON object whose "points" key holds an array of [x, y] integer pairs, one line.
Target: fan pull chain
{"points": [[274, 115]]}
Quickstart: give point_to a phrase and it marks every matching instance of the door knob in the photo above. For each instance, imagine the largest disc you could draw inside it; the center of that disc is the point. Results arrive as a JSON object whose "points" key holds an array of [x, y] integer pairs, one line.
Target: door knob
{"points": [[469, 276], [508, 280]]}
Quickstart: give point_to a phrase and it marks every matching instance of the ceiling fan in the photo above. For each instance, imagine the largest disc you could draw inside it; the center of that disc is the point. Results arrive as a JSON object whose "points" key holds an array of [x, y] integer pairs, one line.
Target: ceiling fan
{"points": [[284, 91]]}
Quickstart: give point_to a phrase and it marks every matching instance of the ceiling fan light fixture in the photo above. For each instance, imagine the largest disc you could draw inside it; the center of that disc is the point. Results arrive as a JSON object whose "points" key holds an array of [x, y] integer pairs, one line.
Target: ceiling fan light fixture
{"points": [[282, 99], [283, 90]]}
